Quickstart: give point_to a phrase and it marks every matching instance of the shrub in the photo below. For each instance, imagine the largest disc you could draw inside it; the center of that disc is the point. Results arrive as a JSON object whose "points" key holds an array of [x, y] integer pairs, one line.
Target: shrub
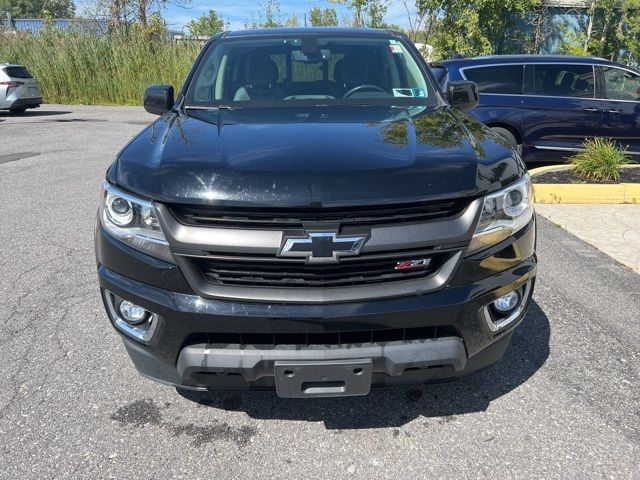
{"points": [[600, 161], [111, 69]]}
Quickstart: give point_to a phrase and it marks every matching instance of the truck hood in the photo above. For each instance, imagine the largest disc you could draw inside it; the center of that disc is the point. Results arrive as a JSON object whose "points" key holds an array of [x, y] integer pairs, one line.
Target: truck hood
{"points": [[320, 156]]}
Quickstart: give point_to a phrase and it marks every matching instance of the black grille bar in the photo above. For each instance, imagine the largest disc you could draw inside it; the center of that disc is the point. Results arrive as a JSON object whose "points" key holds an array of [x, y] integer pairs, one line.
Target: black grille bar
{"points": [[339, 338], [294, 218], [294, 273]]}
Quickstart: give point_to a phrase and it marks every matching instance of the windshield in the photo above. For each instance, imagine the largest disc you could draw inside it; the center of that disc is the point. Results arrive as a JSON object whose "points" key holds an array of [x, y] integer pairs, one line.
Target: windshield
{"points": [[312, 68]]}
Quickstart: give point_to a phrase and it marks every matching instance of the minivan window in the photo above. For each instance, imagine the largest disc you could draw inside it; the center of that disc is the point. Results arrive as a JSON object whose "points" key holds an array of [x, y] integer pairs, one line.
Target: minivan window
{"points": [[562, 80], [286, 69], [17, 72], [506, 79], [621, 84]]}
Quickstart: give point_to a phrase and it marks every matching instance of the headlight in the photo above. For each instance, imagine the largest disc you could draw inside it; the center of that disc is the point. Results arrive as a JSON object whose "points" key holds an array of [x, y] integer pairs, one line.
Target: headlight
{"points": [[503, 214], [133, 221]]}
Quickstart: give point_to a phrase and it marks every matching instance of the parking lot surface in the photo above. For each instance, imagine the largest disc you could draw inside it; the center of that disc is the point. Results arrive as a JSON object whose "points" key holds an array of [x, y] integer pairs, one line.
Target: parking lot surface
{"points": [[612, 229], [563, 403]]}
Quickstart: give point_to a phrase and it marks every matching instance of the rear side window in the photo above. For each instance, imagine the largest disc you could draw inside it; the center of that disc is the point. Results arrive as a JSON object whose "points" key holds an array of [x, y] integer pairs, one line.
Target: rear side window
{"points": [[621, 84], [505, 79], [17, 72], [562, 80]]}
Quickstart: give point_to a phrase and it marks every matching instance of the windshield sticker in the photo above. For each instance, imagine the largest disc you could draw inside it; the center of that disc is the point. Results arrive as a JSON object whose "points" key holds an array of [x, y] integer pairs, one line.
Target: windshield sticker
{"points": [[409, 92], [395, 48]]}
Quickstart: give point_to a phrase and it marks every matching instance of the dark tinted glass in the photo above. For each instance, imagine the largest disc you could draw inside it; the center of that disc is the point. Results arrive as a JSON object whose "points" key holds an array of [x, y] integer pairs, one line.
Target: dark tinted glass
{"points": [[330, 70], [498, 79], [17, 72], [439, 73], [561, 80], [621, 84]]}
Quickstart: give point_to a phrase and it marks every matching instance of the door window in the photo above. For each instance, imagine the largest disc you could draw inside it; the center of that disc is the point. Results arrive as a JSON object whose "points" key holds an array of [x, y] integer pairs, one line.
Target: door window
{"points": [[621, 84], [561, 80], [505, 79]]}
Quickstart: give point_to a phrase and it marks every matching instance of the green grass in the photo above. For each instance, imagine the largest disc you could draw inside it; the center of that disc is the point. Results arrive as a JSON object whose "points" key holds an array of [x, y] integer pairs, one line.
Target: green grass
{"points": [[98, 70], [600, 161]]}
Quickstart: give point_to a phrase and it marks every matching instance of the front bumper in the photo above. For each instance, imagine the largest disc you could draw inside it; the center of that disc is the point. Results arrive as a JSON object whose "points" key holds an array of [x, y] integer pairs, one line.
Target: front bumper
{"points": [[181, 351]]}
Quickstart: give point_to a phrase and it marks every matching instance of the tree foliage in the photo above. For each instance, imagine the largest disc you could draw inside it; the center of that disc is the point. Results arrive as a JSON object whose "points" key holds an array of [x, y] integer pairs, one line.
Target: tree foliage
{"points": [[367, 13], [606, 28], [270, 16], [208, 24], [122, 14], [319, 17], [471, 27], [37, 8]]}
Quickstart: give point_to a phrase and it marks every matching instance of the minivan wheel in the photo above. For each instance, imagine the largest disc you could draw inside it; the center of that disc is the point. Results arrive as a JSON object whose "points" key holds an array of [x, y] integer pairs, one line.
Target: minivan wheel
{"points": [[17, 110], [509, 137]]}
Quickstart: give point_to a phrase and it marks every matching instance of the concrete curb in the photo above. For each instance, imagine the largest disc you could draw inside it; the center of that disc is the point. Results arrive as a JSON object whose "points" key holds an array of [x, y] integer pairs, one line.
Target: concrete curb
{"points": [[614, 193]]}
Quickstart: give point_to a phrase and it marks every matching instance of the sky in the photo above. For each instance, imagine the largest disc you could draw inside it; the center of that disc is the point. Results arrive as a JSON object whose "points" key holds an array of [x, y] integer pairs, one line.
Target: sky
{"points": [[239, 12]]}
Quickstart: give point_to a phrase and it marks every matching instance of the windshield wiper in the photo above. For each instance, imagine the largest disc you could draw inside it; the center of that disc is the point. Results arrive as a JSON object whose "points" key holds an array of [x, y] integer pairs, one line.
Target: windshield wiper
{"points": [[343, 105]]}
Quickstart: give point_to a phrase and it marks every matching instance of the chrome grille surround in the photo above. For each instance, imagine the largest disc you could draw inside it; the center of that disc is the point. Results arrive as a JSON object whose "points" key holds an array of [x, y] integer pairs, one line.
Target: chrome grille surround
{"points": [[444, 240]]}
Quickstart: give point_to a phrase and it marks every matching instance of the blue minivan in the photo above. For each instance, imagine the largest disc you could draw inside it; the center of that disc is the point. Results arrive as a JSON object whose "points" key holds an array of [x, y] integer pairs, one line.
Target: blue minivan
{"points": [[548, 105]]}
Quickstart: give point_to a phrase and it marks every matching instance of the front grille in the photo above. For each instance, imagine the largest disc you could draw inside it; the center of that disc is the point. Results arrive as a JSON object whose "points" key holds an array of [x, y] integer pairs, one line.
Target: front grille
{"points": [[277, 272], [295, 218], [340, 338]]}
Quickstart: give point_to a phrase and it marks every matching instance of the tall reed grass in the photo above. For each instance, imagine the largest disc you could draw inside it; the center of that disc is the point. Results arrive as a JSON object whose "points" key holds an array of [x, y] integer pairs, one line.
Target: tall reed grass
{"points": [[114, 69]]}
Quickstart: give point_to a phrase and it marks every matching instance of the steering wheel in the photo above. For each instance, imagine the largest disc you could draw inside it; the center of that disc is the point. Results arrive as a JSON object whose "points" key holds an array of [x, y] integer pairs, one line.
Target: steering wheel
{"points": [[360, 88]]}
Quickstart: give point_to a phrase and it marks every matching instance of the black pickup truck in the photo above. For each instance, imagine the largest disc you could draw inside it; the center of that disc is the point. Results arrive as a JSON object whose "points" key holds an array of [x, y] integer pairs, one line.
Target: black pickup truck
{"points": [[311, 214]]}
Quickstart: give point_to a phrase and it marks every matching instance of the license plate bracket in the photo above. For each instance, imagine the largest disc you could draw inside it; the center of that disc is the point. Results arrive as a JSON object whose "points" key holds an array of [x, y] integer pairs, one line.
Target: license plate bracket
{"points": [[327, 378]]}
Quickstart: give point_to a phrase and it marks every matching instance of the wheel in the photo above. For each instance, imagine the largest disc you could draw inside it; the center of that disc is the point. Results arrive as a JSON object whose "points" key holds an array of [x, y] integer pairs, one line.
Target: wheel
{"points": [[17, 111], [509, 138]]}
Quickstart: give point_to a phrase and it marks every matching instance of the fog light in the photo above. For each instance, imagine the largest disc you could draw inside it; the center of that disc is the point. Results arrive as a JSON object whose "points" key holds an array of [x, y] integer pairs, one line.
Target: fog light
{"points": [[132, 313], [507, 302]]}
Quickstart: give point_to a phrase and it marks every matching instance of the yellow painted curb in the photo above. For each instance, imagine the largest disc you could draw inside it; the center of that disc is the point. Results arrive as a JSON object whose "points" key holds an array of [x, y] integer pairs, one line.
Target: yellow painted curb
{"points": [[614, 193], [548, 168]]}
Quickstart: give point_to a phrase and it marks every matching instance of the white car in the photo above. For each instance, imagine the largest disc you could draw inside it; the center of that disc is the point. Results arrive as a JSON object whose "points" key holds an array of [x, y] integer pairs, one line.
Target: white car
{"points": [[18, 89]]}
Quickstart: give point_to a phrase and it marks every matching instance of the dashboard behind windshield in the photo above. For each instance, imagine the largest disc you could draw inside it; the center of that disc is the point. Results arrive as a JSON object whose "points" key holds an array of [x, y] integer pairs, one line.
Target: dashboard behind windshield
{"points": [[325, 70]]}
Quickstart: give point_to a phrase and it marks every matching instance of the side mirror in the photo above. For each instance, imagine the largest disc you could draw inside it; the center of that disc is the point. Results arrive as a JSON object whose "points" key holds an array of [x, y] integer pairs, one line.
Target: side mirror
{"points": [[158, 99], [462, 94]]}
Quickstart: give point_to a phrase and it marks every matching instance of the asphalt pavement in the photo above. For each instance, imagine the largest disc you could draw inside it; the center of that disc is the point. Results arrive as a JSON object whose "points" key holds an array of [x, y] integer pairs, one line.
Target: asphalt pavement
{"points": [[563, 403]]}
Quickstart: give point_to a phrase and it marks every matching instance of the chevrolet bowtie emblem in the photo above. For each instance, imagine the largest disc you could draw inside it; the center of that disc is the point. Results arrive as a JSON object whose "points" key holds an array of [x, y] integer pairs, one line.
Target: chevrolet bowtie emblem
{"points": [[321, 247]]}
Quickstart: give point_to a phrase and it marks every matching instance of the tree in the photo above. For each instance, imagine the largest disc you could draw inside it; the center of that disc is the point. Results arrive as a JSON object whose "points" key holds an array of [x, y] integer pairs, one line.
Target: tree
{"points": [[472, 27], [125, 13], [376, 11], [629, 32], [367, 13], [358, 7], [37, 8], [206, 25], [323, 17], [292, 21], [271, 13], [421, 21], [609, 28], [270, 17]]}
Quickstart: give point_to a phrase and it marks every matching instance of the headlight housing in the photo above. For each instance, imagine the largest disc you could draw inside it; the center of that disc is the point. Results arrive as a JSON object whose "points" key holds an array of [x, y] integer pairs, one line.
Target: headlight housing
{"points": [[503, 214], [133, 221]]}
